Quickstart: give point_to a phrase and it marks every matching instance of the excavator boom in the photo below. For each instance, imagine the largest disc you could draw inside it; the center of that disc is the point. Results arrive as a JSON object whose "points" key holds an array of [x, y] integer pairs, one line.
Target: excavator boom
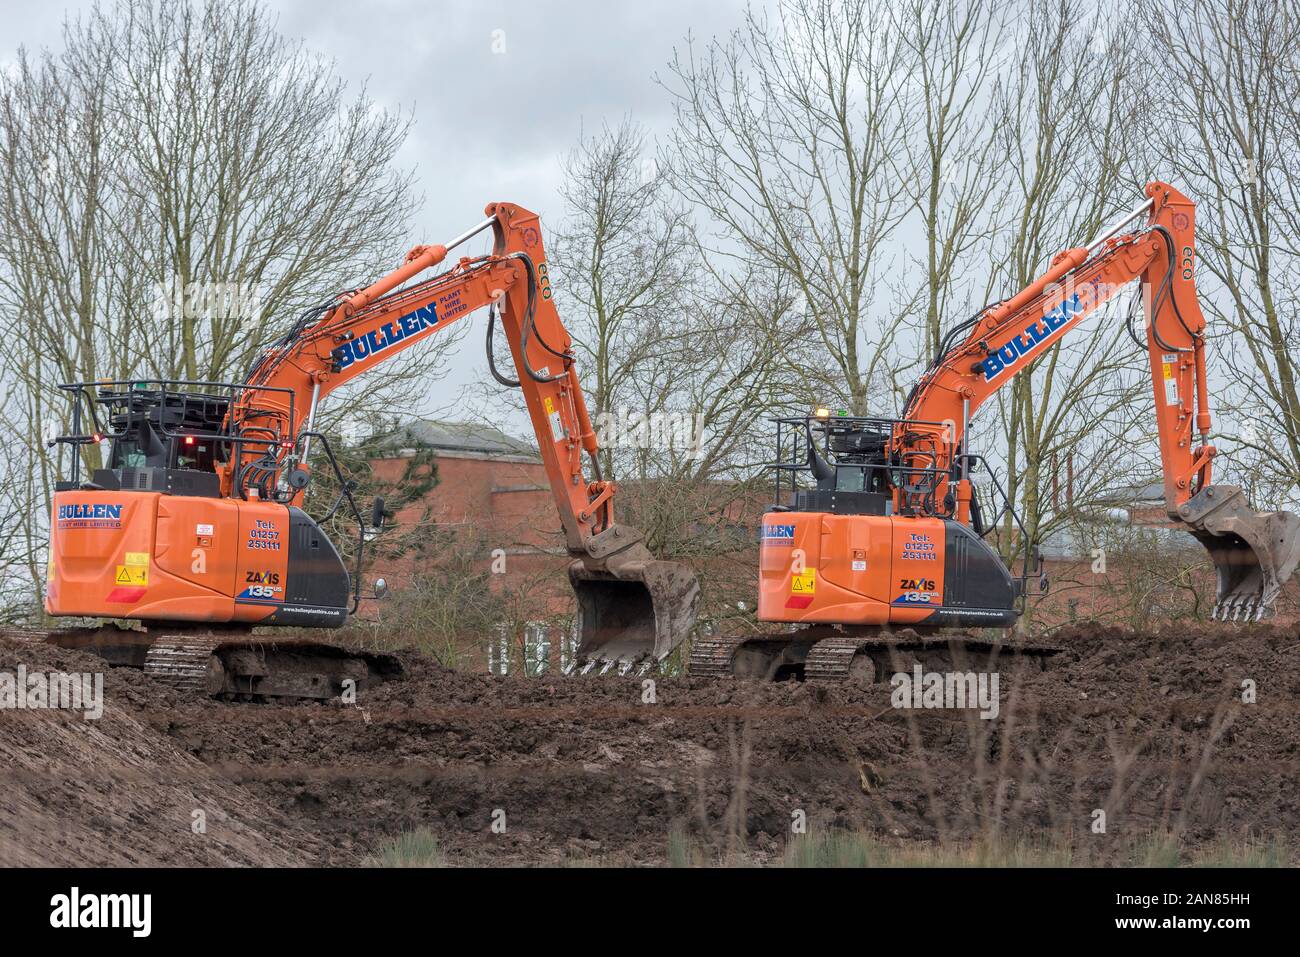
{"points": [[632, 609], [1254, 553]]}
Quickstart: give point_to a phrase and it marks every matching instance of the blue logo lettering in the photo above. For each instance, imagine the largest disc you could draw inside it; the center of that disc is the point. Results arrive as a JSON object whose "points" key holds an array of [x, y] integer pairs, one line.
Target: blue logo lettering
{"points": [[90, 515], [389, 334], [1033, 336], [778, 534]]}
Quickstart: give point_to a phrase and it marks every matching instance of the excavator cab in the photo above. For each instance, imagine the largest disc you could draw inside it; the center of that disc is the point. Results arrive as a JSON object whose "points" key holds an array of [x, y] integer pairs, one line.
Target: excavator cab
{"points": [[161, 438]]}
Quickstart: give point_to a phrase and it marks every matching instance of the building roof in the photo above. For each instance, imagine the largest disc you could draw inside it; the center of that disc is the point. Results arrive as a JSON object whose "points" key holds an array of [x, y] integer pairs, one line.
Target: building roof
{"points": [[1112, 532], [468, 437], [1141, 493]]}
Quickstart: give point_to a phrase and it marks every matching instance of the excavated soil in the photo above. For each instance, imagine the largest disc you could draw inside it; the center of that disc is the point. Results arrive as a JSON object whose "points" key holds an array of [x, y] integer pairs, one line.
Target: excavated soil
{"points": [[1152, 729], [116, 791]]}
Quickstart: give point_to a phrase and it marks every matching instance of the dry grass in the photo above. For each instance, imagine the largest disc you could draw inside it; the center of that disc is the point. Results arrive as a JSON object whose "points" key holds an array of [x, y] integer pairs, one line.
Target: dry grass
{"points": [[417, 848], [848, 849]]}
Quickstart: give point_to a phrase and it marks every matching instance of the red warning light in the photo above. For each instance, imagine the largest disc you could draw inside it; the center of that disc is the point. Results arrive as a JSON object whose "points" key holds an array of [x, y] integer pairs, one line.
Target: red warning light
{"points": [[189, 440]]}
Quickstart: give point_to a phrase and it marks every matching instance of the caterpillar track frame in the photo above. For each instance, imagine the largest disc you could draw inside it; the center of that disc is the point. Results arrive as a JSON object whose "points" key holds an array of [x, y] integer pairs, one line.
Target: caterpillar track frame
{"points": [[228, 663], [832, 655]]}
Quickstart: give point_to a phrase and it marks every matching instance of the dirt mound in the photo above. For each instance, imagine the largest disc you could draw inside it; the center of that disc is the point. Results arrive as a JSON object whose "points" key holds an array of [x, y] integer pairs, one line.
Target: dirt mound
{"points": [[1150, 729], [116, 790]]}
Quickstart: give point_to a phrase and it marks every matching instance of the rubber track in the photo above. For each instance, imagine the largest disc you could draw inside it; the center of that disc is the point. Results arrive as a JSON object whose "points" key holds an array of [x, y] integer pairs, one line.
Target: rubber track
{"points": [[181, 661], [712, 657], [829, 659]]}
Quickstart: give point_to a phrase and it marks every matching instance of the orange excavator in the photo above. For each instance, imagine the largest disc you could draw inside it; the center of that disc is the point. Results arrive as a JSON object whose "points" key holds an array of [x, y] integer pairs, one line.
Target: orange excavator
{"points": [[878, 540], [195, 527]]}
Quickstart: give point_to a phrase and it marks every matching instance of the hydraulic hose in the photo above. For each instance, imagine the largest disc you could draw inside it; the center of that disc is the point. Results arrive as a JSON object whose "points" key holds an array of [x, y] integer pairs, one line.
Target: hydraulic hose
{"points": [[492, 363]]}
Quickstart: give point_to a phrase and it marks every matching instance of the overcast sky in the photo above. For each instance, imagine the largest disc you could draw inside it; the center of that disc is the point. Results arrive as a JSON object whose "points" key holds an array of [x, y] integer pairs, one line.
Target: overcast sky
{"points": [[488, 125]]}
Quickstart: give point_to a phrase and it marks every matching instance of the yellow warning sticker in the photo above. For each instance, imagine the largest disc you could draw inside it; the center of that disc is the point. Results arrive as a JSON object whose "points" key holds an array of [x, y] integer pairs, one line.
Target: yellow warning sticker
{"points": [[557, 424], [803, 583], [132, 575], [1171, 384], [137, 558]]}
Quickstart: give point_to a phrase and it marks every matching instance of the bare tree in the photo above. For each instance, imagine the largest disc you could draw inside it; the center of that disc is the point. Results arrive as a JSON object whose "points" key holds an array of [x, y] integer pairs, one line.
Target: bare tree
{"points": [[682, 362], [17, 599], [623, 259], [179, 181], [1228, 132], [789, 136], [955, 52]]}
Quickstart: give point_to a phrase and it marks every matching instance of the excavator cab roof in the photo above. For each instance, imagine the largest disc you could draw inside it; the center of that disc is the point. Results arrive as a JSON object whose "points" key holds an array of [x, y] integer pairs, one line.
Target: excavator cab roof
{"points": [[164, 435], [849, 460]]}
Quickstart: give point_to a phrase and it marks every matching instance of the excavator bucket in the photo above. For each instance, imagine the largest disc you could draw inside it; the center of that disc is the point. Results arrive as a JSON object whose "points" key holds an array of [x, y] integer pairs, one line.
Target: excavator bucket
{"points": [[1254, 553], [632, 609]]}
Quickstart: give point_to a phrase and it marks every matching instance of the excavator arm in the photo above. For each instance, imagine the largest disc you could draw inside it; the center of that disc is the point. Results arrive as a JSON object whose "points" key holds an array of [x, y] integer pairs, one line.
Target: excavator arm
{"points": [[1254, 553], [631, 608]]}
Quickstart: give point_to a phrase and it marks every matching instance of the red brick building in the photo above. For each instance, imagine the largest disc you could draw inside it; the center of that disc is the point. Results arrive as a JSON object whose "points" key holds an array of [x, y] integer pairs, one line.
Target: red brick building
{"points": [[489, 484], [492, 498]]}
